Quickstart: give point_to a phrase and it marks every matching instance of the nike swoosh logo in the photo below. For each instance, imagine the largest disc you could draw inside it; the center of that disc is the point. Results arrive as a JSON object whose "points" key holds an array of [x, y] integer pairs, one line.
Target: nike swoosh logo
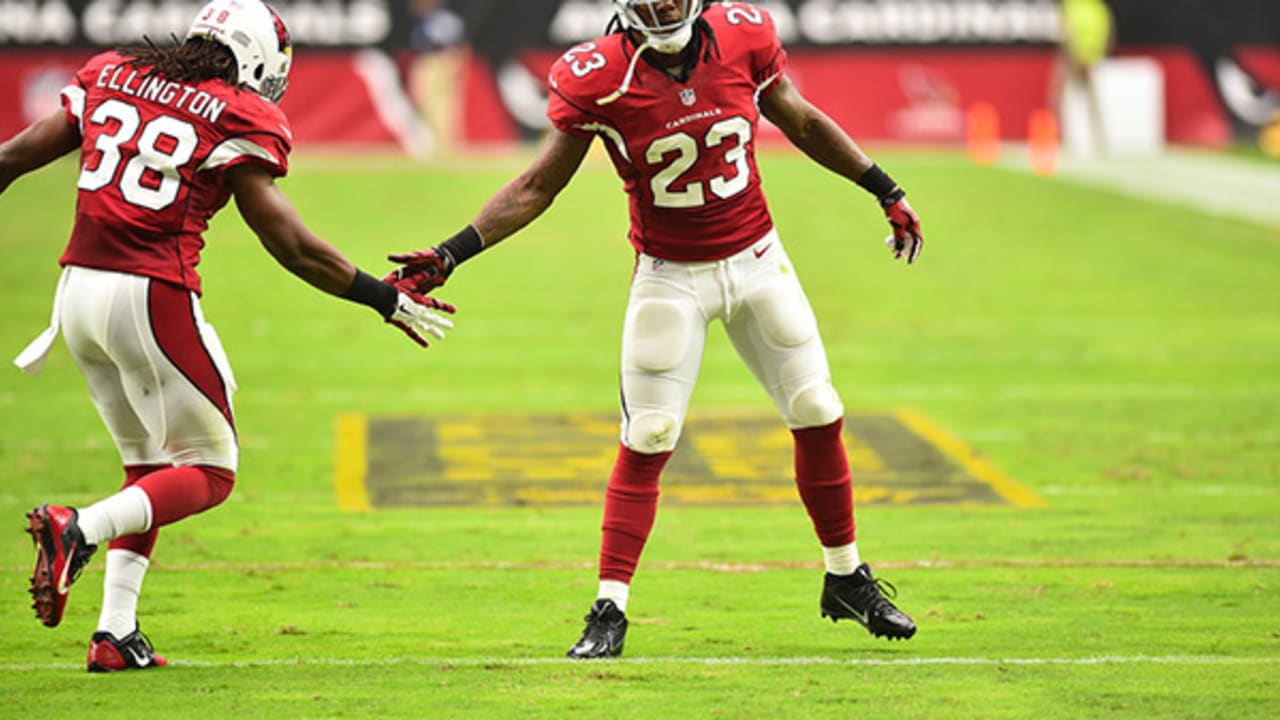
{"points": [[862, 617], [760, 253], [62, 577], [139, 658]]}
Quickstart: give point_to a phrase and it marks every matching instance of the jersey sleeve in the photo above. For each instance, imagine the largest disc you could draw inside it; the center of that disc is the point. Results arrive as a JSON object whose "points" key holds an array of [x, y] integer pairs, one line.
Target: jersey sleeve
{"points": [[256, 131], [566, 108], [74, 95], [768, 57]]}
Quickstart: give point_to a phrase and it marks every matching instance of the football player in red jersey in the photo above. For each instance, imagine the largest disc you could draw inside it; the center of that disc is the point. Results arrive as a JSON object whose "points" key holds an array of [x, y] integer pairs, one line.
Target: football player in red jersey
{"points": [[166, 136], [676, 93]]}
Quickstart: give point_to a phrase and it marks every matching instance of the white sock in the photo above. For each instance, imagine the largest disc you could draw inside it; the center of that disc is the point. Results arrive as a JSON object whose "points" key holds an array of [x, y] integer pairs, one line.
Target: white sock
{"points": [[120, 589], [841, 560], [616, 591], [128, 512]]}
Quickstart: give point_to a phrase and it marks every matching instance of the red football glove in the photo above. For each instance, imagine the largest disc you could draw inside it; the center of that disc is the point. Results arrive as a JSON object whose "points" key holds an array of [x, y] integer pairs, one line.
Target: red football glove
{"points": [[906, 239], [413, 316], [421, 271]]}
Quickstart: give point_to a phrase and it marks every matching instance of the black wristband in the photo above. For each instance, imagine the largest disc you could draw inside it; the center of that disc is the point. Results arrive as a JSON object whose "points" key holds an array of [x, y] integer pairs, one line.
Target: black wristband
{"points": [[369, 290], [877, 182], [463, 245], [893, 197]]}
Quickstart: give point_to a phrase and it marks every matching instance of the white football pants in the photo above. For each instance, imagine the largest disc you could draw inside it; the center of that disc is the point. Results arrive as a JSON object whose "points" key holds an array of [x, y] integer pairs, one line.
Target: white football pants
{"points": [[758, 298], [156, 370]]}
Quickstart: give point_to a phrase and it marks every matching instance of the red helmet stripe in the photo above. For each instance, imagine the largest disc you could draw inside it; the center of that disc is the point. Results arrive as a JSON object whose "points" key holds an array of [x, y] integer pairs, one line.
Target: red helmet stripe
{"points": [[282, 32]]}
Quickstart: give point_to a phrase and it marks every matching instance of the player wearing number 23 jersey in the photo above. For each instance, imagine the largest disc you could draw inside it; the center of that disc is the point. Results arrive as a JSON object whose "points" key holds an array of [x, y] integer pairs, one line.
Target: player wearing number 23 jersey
{"points": [[166, 136], [675, 91], [685, 149]]}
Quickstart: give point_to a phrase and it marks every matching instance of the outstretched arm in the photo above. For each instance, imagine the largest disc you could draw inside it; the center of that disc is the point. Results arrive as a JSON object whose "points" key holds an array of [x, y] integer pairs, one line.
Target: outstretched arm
{"points": [[529, 195], [517, 204], [811, 130], [42, 142], [273, 218], [819, 137], [276, 222]]}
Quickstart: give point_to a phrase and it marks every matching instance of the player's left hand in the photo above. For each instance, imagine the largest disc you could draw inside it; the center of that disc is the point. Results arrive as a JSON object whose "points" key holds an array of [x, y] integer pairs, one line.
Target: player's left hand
{"points": [[906, 240], [421, 271], [414, 316]]}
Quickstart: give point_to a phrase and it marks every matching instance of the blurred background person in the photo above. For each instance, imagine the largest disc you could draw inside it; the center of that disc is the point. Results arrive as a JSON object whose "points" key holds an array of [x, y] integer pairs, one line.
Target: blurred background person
{"points": [[437, 37], [1088, 36]]}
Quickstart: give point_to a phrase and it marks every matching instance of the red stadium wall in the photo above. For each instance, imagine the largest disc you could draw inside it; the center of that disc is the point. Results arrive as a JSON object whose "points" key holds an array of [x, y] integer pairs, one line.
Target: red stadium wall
{"points": [[910, 96], [921, 95], [329, 101], [895, 95]]}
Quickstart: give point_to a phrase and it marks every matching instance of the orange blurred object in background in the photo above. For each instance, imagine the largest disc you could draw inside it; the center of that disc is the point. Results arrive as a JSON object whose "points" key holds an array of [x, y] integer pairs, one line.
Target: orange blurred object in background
{"points": [[1043, 142], [982, 124]]}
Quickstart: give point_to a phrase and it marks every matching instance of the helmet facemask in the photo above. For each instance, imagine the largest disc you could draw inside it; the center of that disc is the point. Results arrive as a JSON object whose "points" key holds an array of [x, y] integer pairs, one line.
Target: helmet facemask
{"points": [[643, 17]]}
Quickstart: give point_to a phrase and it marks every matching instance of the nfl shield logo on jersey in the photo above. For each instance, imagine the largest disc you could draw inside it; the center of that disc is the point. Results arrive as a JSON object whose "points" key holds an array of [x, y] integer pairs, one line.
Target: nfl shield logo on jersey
{"points": [[688, 97]]}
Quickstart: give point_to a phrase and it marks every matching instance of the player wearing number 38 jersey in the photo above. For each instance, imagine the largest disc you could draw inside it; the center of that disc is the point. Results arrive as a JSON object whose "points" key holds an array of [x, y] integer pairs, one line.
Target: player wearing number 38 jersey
{"points": [[183, 137], [167, 135], [675, 91]]}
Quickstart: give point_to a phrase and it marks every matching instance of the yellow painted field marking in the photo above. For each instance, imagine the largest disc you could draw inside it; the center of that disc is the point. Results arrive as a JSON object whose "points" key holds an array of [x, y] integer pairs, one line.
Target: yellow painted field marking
{"points": [[1016, 494], [900, 457], [351, 463], [749, 453]]}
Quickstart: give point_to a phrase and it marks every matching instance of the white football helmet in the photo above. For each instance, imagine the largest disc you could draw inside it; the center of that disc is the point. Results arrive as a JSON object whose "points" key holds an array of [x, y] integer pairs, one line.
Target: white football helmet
{"points": [[257, 37], [642, 16]]}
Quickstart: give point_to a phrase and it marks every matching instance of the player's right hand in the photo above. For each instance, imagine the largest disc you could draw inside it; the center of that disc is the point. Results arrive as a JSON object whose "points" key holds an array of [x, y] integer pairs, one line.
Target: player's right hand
{"points": [[414, 316], [422, 271]]}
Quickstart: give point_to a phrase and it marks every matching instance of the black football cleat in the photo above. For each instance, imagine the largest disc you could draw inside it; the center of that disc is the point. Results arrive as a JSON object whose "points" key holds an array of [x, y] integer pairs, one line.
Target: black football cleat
{"points": [[61, 553], [605, 634], [132, 652], [863, 598]]}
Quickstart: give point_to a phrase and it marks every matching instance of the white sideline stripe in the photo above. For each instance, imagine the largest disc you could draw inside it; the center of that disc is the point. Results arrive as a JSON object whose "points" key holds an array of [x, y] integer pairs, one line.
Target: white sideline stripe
{"points": [[1225, 185], [703, 661], [724, 567]]}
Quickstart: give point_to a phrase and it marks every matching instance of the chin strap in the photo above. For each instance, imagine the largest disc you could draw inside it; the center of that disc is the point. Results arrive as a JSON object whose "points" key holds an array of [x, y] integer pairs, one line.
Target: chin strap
{"points": [[626, 79]]}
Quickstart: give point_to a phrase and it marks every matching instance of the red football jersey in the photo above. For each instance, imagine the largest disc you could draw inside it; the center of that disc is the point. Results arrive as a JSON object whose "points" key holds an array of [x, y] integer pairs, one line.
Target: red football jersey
{"points": [[685, 150], [152, 154]]}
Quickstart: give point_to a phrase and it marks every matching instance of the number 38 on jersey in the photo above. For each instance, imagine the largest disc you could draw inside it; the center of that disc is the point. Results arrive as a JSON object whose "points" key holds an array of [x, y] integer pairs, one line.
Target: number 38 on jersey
{"points": [[151, 177]]}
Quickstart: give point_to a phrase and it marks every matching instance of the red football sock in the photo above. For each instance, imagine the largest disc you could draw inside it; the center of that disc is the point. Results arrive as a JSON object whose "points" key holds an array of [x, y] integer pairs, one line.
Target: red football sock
{"points": [[826, 487], [142, 543], [177, 492], [630, 504]]}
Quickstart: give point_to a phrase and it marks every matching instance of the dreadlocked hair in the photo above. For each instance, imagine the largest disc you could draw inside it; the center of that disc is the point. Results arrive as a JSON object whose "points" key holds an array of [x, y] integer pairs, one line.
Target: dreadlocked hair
{"points": [[192, 61], [712, 47]]}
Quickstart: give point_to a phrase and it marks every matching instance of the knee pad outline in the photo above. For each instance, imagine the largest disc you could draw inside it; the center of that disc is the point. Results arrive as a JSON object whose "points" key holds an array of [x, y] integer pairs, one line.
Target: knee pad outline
{"points": [[651, 431], [814, 405]]}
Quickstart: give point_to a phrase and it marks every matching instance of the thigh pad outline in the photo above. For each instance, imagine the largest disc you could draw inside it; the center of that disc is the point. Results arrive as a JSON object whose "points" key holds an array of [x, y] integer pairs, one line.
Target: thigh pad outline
{"points": [[786, 320], [657, 336]]}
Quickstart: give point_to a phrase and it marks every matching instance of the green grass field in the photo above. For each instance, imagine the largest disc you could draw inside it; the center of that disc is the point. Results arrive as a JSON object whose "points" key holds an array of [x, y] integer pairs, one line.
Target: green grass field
{"points": [[1119, 358]]}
